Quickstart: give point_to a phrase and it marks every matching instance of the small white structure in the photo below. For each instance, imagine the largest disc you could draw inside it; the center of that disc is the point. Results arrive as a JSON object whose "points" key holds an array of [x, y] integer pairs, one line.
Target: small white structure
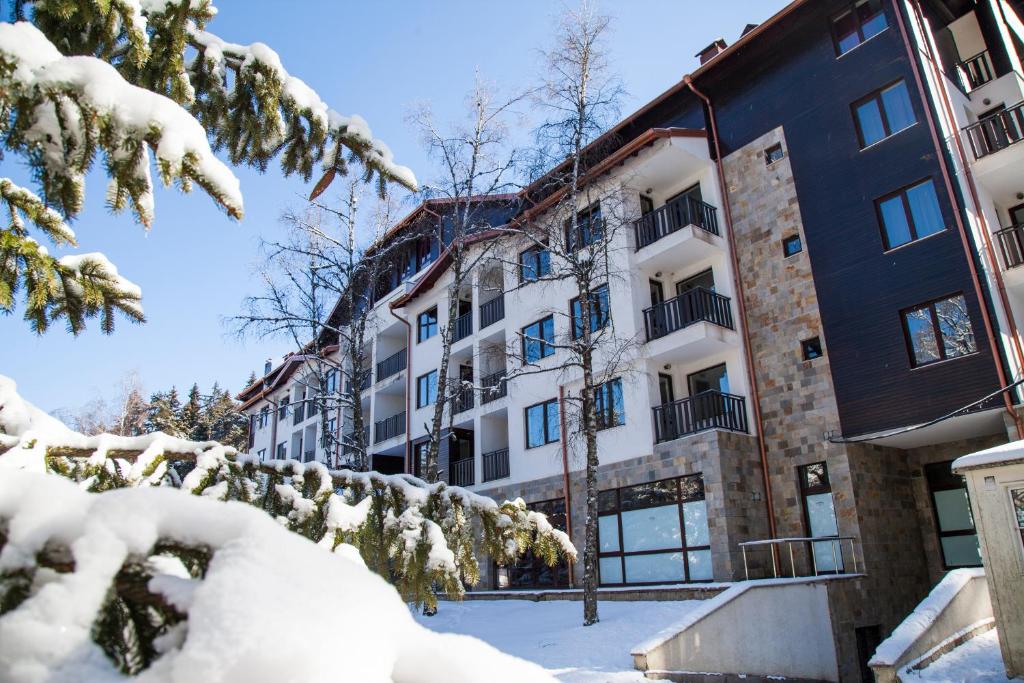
{"points": [[995, 483]]}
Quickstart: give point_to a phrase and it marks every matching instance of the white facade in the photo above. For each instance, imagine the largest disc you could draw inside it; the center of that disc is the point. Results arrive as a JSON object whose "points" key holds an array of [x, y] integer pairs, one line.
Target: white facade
{"points": [[659, 171]]}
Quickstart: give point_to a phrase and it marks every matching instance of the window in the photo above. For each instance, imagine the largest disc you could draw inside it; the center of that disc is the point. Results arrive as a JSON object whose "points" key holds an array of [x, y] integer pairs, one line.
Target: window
{"points": [[589, 228], [262, 454], [812, 348], [958, 539], [329, 434], [426, 389], [531, 571], [939, 330], [611, 410], [282, 412], [419, 458], [883, 113], [791, 246], [264, 416], [426, 325], [773, 154], [542, 424], [1017, 500], [426, 252], [599, 312], [865, 20], [534, 263], [537, 339], [331, 381], [910, 214], [282, 451], [654, 533], [820, 516]]}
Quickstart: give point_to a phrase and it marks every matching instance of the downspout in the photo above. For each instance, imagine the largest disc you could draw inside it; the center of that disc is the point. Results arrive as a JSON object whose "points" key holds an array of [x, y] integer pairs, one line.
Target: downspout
{"points": [[990, 251], [968, 251], [273, 431], [408, 388], [566, 493], [742, 310]]}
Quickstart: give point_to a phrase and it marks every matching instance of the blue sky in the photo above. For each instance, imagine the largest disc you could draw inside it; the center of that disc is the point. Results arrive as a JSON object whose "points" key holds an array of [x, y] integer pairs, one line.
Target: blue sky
{"points": [[372, 58]]}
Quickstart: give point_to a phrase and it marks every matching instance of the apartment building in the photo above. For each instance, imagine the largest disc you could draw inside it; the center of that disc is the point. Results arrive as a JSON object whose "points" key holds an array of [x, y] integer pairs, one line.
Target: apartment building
{"points": [[824, 266]]}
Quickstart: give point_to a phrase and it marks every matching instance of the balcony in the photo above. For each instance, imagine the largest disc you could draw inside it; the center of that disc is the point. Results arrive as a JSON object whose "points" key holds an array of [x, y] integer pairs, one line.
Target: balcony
{"points": [[976, 71], [492, 311], [996, 132], [299, 414], [690, 307], [460, 472], [349, 441], [1011, 244], [363, 385], [697, 413], [463, 327], [673, 217], [392, 365], [494, 386], [462, 400], [496, 464], [389, 428]]}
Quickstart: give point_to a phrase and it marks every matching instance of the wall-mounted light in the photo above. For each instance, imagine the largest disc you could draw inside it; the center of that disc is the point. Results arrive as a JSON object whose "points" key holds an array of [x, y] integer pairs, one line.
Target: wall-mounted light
{"points": [[986, 101], [1020, 195], [658, 274], [667, 366], [649, 190]]}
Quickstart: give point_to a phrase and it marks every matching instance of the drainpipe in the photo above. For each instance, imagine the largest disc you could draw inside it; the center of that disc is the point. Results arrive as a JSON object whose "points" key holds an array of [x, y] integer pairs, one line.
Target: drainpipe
{"points": [[968, 250], [742, 310], [408, 388], [566, 493], [273, 431]]}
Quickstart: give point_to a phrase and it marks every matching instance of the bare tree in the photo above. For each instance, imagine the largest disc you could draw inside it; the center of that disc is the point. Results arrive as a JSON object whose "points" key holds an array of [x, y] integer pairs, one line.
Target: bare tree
{"points": [[320, 285], [123, 415], [572, 235], [477, 165]]}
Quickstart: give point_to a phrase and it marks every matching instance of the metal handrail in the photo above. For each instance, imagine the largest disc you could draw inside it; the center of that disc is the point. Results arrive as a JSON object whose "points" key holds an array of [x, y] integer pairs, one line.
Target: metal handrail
{"points": [[493, 386], [492, 311], [705, 410], [977, 70], [389, 427], [691, 307], [460, 472], [495, 464], [672, 217], [463, 326], [810, 540], [996, 132], [392, 365], [1011, 243]]}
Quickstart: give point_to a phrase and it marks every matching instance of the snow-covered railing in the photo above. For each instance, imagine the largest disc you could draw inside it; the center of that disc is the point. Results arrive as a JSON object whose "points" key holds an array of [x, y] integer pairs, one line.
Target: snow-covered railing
{"points": [[957, 609]]}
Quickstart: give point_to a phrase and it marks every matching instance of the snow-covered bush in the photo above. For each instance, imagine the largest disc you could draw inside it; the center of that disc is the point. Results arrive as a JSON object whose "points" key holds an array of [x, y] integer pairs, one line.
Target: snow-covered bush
{"points": [[172, 588], [420, 537]]}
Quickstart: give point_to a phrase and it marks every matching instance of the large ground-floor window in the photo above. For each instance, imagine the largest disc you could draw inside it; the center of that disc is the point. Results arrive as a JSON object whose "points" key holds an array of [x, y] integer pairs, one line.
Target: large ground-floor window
{"points": [[958, 538], [531, 571], [654, 533]]}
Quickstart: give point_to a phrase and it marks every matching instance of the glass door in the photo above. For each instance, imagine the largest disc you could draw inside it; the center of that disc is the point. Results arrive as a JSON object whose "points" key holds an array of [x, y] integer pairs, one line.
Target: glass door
{"points": [[820, 517], [958, 539]]}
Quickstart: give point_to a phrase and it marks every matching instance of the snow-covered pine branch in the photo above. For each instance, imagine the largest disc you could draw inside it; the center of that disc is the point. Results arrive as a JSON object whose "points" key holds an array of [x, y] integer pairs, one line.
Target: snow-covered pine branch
{"points": [[412, 533], [143, 83], [170, 588]]}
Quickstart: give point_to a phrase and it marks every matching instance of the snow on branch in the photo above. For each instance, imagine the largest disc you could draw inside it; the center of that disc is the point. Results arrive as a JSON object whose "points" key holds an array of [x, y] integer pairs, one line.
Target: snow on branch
{"points": [[418, 535], [170, 588]]}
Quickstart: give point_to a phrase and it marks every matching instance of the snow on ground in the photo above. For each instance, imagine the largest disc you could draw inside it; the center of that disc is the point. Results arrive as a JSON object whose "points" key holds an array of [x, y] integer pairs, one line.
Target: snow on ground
{"points": [[978, 660], [551, 633]]}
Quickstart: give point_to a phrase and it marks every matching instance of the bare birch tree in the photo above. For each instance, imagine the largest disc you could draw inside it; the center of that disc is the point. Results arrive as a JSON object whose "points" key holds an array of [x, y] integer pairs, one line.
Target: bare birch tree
{"points": [[477, 165]]}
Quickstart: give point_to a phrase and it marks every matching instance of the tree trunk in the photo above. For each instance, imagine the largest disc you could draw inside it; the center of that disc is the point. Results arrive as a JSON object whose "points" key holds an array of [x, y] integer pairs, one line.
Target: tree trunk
{"points": [[590, 548]]}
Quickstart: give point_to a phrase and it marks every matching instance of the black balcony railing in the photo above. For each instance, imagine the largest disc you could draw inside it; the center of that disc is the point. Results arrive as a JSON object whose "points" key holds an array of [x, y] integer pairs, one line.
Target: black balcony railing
{"points": [[692, 306], [977, 70], [706, 410], [493, 387], [492, 311], [996, 132], [1011, 243], [460, 472], [463, 326], [308, 456], [392, 365], [389, 427], [299, 414], [673, 216], [463, 399], [363, 386], [349, 441], [495, 464]]}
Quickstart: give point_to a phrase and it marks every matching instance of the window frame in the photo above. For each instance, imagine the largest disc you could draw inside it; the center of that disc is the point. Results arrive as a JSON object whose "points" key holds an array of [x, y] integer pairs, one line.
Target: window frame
{"points": [[420, 326], [876, 97], [604, 404], [789, 239], [616, 510], [601, 320], [934, 486], [936, 330], [573, 242], [281, 453], [851, 8], [805, 343], [806, 491], [546, 347], [262, 454], [533, 252], [768, 151], [546, 427], [902, 193], [419, 389]]}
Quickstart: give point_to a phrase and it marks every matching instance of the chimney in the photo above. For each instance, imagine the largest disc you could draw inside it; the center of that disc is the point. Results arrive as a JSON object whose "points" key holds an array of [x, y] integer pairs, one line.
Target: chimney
{"points": [[748, 28], [711, 51], [268, 366]]}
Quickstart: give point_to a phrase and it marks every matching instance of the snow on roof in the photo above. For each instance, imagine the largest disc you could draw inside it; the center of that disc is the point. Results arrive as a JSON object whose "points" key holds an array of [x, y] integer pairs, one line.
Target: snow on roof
{"points": [[997, 455]]}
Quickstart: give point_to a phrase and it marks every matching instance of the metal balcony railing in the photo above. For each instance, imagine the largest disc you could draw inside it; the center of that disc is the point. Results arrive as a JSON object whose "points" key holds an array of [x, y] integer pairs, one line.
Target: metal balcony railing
{"points": [[495, 464], [463, 399], [308, 456], [674, 216], [349, 441], [492, 311], [392, 365], [706, 410], [493, 386], [299, 414], [996, 132], [977, 70], [1011, 243], [460, 472], [693, 306], [463, 326], [389, 427]]}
